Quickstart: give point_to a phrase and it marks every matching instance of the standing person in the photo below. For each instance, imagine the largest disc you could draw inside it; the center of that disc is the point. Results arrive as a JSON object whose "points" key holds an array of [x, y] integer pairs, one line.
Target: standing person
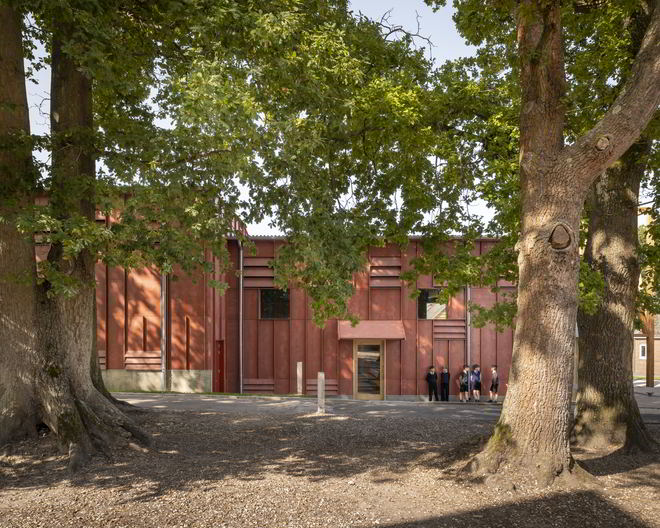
{"points": [[469, 382], [463, 381], [494, 384], [476, 382], [444, 384], [432, 380]]}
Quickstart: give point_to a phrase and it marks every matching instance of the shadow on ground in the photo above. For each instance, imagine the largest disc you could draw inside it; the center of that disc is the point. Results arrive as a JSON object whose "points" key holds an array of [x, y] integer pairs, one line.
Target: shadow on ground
{"points": [[194, 450], [639, 467], [583, 509], [190, 449]]}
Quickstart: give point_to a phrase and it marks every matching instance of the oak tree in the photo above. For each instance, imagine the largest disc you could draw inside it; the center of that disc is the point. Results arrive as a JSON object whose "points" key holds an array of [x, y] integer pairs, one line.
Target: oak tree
{"points": [[555, 178]]}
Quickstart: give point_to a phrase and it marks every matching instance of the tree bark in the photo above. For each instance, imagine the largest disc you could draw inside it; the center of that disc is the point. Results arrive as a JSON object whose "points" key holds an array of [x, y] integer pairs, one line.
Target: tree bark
{"points": [[18, 302], [82, 416], [532, 435], [48, 341], [607, 412]]}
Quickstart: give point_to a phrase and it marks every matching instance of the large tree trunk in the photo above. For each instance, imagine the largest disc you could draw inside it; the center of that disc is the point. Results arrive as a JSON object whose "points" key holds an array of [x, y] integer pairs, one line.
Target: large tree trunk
{"points": [[533, 428], [18, 303], [47, 341], [83, 417], [607, 412], [532, 435]]}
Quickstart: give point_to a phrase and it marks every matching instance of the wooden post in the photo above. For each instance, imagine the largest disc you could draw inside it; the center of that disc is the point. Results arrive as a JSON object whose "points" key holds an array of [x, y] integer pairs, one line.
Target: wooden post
{"points": [[648, 329], [320, 391], [299, 375]]}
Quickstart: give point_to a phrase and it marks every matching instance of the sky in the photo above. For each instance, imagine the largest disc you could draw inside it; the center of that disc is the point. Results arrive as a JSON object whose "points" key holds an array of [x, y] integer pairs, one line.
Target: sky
{"points": [[412, 15], [439, 26]]}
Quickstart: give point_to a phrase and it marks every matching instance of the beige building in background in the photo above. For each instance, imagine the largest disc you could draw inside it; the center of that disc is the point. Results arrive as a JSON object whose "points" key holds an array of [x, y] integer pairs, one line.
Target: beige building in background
{"points": [[640, 352]]}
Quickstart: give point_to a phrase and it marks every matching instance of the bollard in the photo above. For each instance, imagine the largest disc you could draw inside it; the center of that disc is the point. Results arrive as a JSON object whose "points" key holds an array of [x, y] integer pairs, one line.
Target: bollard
{"points": [[299, 374], [320, 391]]}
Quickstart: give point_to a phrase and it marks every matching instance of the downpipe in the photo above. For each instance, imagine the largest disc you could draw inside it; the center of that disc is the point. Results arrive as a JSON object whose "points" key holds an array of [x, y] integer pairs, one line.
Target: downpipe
{"points": [[240, 316]]}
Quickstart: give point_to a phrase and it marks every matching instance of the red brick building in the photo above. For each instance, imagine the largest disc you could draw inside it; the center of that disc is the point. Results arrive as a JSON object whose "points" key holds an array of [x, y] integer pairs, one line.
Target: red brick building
{"points": [[252, 338]]}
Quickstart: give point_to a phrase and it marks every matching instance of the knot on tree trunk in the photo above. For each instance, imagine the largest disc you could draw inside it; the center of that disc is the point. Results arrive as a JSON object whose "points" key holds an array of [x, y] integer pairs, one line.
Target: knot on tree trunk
{"points": [[603, 142], [560, 238]]}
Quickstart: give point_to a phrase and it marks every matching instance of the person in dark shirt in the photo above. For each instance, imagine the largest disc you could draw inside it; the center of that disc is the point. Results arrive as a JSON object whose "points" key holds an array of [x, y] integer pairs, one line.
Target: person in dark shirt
{"points": [[475, 381], [444, 384], [463, 381], [432, 380]]}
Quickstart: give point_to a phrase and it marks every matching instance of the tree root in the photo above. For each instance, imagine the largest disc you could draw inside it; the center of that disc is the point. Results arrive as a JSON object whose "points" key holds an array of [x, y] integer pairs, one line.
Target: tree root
{"points": [[514, 471], [638, 440], [633, 436], [501, 464], [78, 457], [82, 424]]}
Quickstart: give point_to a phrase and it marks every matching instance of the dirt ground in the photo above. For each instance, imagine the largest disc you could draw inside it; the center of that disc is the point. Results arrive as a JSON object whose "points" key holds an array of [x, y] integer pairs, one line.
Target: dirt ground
{"points": [[277, 464]]}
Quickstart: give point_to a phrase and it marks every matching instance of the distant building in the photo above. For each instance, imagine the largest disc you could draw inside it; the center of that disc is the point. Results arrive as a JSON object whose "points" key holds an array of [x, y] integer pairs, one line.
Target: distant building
{"points": [[640, 348], [640, 351], [209, 346]]}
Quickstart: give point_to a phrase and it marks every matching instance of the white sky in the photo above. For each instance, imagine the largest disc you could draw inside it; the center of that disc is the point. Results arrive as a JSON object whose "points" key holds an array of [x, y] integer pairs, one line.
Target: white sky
{"points": [[438, 26]]}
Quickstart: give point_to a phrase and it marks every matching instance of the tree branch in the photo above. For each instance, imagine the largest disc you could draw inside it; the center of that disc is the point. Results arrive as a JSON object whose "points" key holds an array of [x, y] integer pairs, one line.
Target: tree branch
{"points": [[389, 29], [626, 119], [585, 6]]}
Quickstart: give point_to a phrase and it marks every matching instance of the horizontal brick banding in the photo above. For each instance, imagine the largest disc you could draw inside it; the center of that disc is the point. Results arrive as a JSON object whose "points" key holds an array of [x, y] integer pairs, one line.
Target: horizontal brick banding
{"points": [[331, 387], [259, 385], [142, 360], [257, 273]]}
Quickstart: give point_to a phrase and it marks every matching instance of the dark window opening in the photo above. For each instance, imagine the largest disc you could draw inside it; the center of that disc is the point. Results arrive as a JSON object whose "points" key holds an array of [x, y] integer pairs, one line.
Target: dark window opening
{"points": [[274, 304], [431, 305]]}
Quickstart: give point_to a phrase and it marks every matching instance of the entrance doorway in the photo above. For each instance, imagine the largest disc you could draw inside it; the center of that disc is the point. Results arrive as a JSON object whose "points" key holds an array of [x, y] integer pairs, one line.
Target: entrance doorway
{"points": [[369, 369]]}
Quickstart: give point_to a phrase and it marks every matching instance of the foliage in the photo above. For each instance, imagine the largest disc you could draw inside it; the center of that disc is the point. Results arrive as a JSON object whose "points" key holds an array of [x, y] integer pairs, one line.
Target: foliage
{"points": [[322, 119], [210, 114], [599, 47], [649, 293]]}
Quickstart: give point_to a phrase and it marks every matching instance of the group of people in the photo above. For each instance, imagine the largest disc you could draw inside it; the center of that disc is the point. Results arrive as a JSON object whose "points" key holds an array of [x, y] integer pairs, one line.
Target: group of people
{"points": [[468, 382]]}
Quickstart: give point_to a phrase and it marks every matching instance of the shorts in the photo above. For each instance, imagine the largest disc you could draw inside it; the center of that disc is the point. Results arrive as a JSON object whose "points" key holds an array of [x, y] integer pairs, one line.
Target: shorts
{"points": [[494, 387], [477, 385], [464, 388]]}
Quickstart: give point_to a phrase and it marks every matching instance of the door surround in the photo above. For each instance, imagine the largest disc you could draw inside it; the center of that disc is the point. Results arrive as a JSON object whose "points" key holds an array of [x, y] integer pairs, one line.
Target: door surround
{"points": [[380, 354]]}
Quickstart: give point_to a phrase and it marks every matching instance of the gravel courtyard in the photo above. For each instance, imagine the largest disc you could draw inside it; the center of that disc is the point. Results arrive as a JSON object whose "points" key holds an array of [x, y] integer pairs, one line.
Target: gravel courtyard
{"points": [[238, 462]]}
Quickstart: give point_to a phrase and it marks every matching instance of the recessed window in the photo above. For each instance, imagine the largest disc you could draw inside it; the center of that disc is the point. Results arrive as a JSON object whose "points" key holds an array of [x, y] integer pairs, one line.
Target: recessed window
{"points": [[642, 351], [274, 304], [430, 305]]}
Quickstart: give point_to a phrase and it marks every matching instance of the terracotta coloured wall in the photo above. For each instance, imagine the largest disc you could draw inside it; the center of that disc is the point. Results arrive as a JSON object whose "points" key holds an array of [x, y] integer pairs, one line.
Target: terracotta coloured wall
{"points": [[128, 316], [187, 298], [129, 320], [204, 329], [231, 318], [272, 348]]}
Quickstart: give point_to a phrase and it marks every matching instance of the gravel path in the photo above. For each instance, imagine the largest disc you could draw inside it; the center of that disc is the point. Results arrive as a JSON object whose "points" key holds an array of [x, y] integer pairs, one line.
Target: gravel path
{"points": [[283, 405], [274, 463]]}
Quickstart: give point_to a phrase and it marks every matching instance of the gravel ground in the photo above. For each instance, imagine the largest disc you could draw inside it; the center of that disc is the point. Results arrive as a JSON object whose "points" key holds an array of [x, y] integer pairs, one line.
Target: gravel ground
{"points": [[244, 465]]}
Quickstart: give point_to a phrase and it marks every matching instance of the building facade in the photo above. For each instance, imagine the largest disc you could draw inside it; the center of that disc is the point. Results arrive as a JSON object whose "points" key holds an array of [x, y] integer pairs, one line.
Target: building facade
{"points": [[640, 351], [258, 339]]}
